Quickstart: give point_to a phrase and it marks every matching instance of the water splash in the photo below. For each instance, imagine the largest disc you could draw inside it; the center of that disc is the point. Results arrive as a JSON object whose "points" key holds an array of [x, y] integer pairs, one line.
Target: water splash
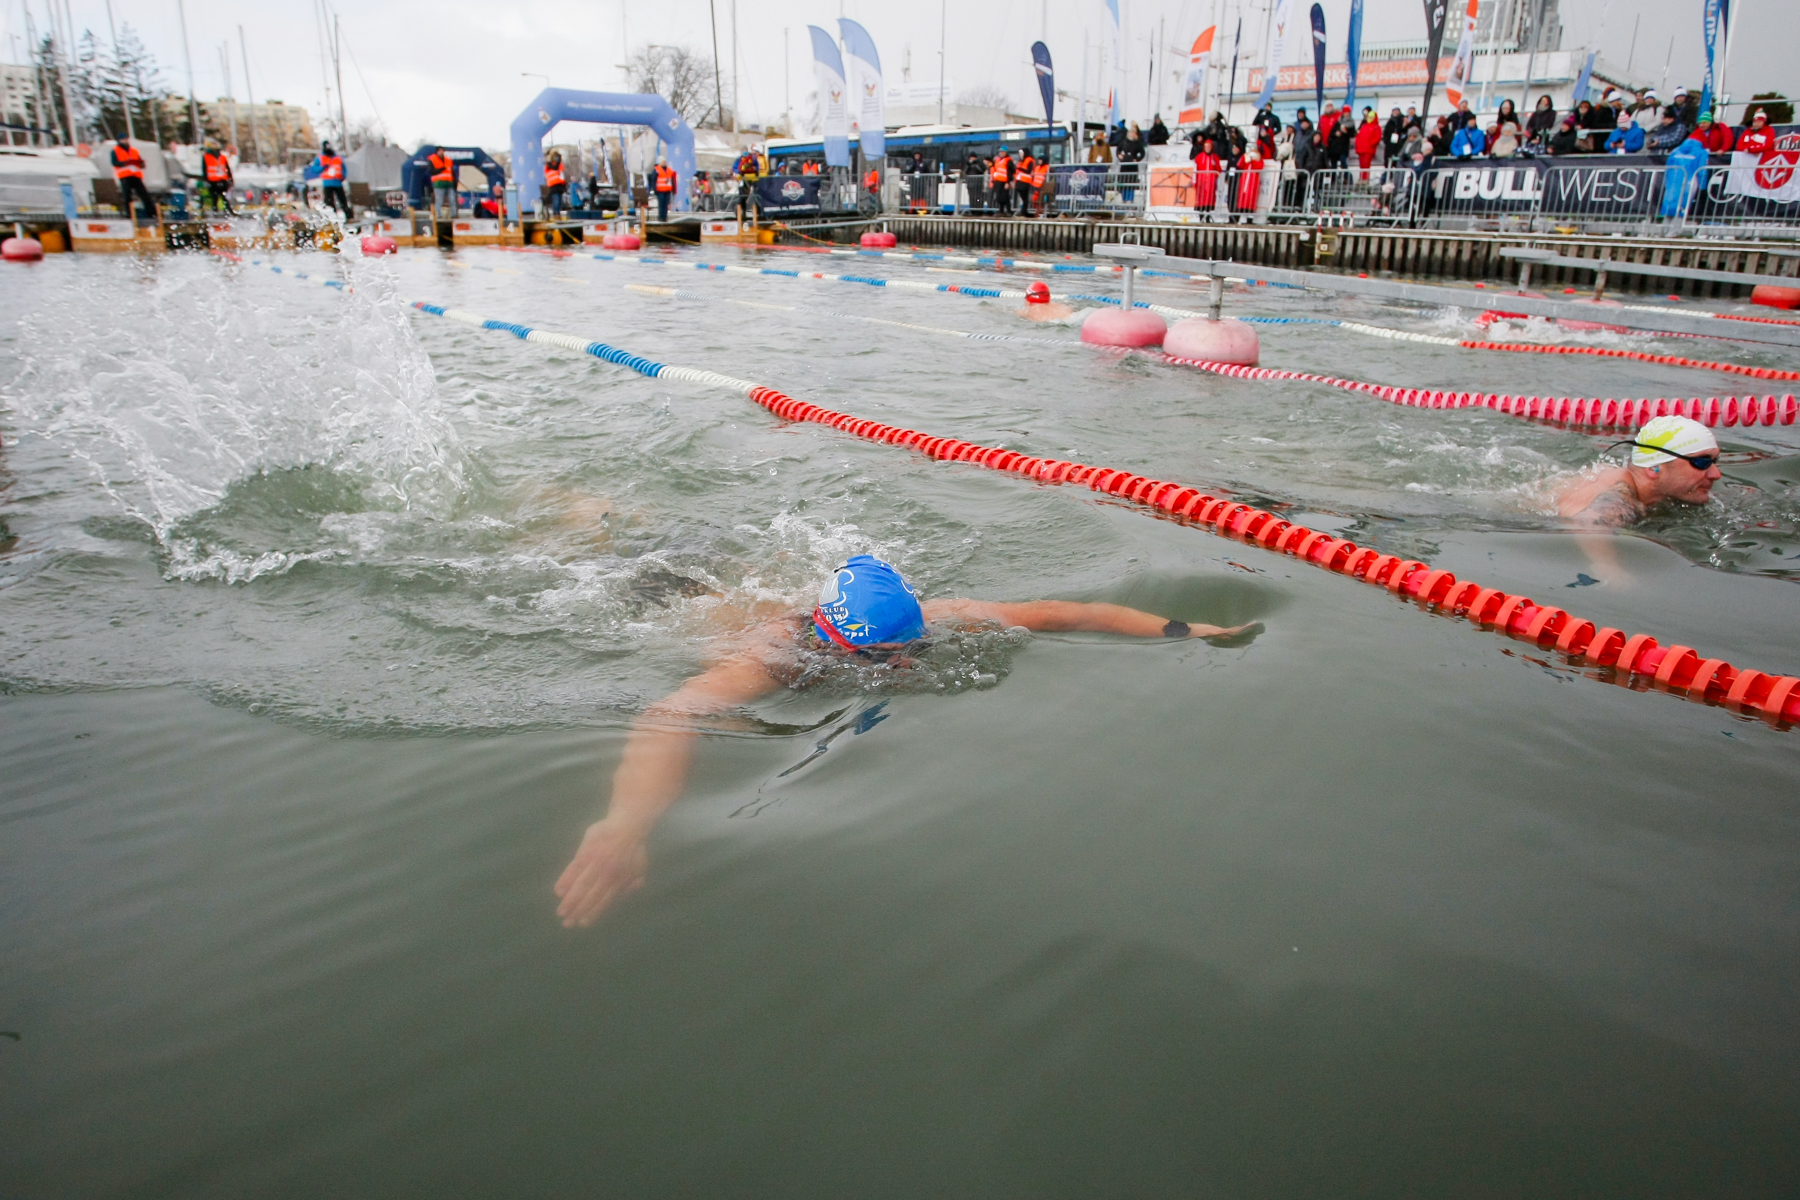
{"points": [[185, 382]]}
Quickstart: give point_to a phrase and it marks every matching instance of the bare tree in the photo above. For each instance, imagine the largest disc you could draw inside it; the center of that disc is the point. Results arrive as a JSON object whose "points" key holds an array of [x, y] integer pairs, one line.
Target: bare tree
{"points": [[682, 77], [985, 96]]}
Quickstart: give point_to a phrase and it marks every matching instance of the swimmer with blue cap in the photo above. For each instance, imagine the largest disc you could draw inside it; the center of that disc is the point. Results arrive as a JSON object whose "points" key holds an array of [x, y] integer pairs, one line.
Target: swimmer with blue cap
{"points": [[866, 609], [1673, 459]]}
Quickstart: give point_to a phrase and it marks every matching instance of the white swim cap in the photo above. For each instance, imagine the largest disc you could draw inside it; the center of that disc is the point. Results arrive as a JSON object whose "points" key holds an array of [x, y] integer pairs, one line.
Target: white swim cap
{"points": [[1679, 434]]}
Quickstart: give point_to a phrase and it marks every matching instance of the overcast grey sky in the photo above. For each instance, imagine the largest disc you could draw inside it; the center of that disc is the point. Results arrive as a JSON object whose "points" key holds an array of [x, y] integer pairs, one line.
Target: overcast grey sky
{"points": [[454, 69]]}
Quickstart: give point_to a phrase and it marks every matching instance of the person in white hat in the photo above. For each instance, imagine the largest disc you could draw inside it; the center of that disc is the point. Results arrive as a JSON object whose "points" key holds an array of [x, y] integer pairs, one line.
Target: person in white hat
{"points": [[1672, 459]]}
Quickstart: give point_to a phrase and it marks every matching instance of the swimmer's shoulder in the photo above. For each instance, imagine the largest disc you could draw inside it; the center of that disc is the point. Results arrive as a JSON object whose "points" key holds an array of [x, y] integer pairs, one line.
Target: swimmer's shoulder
{"points": [[1606, 499]]}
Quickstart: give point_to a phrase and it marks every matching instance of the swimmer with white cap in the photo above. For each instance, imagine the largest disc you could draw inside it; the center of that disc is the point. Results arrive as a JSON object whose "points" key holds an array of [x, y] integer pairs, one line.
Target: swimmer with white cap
{"points": [[865, 609], [1040, 307], [1672, 459]]}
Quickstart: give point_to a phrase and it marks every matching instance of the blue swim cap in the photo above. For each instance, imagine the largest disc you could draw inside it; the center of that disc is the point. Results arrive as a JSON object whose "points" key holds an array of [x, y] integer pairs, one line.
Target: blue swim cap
{"points": [[866, 603]]}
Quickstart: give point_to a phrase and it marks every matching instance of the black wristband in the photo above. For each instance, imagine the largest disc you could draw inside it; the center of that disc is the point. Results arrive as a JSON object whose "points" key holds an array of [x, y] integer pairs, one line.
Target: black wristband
{"points": [[1175, 629]]}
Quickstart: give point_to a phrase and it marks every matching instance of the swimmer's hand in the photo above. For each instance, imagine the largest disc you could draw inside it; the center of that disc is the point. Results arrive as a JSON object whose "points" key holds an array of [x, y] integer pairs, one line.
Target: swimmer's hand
{"points": [[1236, 635], [610, 863]]}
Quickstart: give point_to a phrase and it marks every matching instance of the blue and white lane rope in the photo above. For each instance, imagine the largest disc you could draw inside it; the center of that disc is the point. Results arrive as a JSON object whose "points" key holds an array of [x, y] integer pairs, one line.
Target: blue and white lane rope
{"points": [[984, 293], [600, 350], [1396, 334]]}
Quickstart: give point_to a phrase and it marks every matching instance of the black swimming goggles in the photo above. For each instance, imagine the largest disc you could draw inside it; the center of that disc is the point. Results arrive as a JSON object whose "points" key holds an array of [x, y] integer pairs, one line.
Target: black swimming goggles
{"points": [[1700, 462]]}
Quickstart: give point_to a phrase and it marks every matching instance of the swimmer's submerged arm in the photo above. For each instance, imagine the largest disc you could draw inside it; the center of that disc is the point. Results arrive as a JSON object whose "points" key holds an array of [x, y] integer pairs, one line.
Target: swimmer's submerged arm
{"points": [[611, 860], [1070, 616]]}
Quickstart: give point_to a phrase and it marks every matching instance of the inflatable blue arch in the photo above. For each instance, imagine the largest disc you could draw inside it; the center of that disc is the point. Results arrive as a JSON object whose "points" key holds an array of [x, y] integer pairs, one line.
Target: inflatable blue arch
{"points": [[603, 108]]}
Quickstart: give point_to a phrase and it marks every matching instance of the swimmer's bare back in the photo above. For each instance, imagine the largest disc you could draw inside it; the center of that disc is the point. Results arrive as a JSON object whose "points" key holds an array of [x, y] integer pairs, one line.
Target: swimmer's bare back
{"points": [[1607, 499]]}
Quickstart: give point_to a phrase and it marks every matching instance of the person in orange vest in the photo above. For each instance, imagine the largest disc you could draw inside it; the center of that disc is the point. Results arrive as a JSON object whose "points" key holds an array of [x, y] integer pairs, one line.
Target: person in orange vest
{"points": [[1040, 179], [556, 184], [331, 179], [128, 169], [217, 169], [809, 168], [666, 181], [443, 183], [748, 168], [1022, 176], [1000, 182]]}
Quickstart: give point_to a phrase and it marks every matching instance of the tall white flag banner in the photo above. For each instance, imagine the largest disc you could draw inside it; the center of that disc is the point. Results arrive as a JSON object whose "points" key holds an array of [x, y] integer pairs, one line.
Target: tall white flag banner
{"points": [[1193, 88], [1115, 91], [1464, 66], [1464, 63], [834, 111], [1277, 47], [867, 95]]}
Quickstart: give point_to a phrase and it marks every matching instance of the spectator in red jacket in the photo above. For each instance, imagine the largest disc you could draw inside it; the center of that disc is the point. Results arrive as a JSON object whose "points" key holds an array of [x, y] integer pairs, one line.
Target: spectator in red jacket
{"points": [[1716, 136], [1759, 139], [1368, 140], [1207, 169]]}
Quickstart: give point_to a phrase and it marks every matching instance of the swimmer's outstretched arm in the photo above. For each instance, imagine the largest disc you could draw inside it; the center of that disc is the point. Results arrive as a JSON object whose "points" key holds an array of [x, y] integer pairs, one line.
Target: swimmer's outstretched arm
{"points": [[1069, 616], [611, 860]]}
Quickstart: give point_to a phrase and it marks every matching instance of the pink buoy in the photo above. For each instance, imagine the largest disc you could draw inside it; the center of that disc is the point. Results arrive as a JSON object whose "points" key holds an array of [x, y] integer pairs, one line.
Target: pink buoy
{"points": [[869, 241], [1207, 340], [626, 241], [1117, 327], [376, 244], [21, 249], [889, 240]]}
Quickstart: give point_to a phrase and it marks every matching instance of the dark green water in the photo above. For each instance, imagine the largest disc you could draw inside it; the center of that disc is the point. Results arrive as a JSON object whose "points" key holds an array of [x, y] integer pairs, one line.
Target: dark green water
{"points": [[317, 655]]}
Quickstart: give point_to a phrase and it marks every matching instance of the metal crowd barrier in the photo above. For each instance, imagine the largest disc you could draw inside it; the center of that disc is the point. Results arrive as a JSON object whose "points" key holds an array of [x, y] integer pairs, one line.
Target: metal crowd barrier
{"points": [[1518, 195]]}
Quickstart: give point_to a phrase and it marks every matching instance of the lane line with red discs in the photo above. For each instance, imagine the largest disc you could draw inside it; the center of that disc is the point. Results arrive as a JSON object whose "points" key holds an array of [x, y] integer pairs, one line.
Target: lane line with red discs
{"points": [[1667, 360], [1560, 410], [1676, 669]]}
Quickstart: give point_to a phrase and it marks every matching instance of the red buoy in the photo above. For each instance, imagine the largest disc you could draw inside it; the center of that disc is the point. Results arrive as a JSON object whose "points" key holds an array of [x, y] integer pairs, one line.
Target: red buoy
{"points": [[1775, 296], [377, 244], [21, 249]]}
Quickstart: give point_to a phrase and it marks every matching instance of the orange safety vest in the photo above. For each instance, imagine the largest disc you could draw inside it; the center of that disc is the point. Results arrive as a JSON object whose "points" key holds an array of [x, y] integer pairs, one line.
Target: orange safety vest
{"points": [[665, 178], [1041, 176], [871, 180], [553, 176], [127, 163], [811, 168], [218, 169], [443, 170], [1001, 171], [1026, 166], [332, 168]]}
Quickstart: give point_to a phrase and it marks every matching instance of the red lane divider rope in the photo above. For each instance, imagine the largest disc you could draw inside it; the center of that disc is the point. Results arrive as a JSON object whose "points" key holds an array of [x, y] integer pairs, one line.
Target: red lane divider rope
{"points": [[1676, 669], [1669, 360], [1616, 414]]}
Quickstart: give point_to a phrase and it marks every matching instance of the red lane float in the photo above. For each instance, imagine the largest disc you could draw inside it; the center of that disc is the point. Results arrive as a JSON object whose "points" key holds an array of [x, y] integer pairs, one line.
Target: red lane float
{"points": [[1639, 657], [1668, 360], [1775, 296], [1604, 414]]}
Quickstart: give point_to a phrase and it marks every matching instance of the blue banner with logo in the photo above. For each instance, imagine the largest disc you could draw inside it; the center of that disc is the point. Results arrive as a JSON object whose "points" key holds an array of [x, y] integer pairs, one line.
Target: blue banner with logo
{"points": [[1318, 30], [1353, 54], [1040, 61], [1715, 17], [789, 195]]}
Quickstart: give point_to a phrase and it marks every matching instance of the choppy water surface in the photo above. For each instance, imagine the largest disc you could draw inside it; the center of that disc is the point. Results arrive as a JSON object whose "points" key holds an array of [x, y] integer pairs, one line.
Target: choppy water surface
{"points": [[321, 623]]}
